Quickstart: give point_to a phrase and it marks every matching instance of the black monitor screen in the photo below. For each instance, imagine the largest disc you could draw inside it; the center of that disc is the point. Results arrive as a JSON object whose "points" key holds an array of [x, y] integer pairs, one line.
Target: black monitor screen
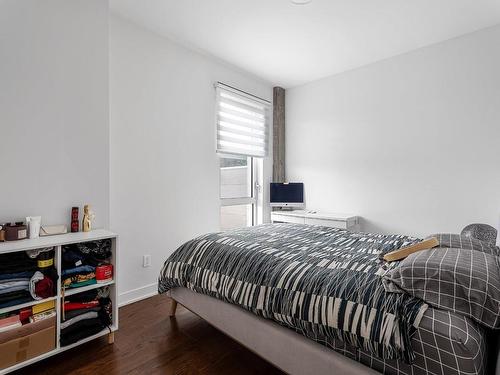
{"points": [[292, 192]]}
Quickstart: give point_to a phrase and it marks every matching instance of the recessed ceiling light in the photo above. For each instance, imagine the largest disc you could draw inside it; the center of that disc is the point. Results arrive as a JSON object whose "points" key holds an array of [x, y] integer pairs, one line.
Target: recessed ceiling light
{"points": [[300, 2]]}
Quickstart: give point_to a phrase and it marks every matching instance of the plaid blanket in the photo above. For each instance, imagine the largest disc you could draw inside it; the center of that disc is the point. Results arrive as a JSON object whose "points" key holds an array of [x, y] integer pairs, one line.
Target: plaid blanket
{"points": [[323, 282]]}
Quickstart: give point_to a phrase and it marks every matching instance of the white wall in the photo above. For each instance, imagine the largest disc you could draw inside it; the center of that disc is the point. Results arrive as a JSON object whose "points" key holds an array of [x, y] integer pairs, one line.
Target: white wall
{"points": [[164, 170], [54, 121], [412, 143]]}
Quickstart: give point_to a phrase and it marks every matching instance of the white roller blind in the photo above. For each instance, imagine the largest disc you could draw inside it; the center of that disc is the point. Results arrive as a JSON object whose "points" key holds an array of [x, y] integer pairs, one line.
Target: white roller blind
{"points": [[242, 123]]}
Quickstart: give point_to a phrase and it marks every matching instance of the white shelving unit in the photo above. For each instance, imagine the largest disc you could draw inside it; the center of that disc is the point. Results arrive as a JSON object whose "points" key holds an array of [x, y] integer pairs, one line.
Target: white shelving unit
{"points": [[58, 242], [325, 219]]}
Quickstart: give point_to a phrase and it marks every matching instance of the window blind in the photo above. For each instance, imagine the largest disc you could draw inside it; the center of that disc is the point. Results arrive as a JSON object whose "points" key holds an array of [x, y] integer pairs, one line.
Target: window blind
{"points": [[242, 122]]}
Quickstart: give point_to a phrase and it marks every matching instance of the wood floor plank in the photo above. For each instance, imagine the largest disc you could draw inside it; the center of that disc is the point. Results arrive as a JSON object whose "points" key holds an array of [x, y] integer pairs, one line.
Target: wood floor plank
{"points": [[151, 342]]}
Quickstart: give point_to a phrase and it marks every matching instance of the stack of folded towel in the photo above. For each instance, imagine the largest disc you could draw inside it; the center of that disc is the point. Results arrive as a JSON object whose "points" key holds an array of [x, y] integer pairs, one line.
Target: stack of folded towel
{"points": [[85, 314], [80, 260], [24, 277]]}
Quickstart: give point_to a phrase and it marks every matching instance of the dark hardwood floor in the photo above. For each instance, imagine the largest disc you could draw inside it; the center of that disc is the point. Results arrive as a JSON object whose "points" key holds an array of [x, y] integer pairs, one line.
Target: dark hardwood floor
{"points": [[149, 342]]}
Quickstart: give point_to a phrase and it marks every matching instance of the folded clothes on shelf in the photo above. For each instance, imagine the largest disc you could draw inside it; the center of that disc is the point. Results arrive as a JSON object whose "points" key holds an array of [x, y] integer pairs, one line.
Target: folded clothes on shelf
{"points": [[72, 258], [73, 313], [79, 262], [24, 277], [90, 253], [68, 306], [77, 281], [81, 330], [85, 314], [41, 286], [81, 270], [14, 285], [16, 275], [17, 262], [100, 248], [15, 298], [33, 254], [89, 295]]}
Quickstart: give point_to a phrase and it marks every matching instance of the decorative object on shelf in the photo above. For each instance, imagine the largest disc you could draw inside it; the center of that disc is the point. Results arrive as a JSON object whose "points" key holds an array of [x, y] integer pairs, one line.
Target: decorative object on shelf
{"points": [[51, 230], [104, 273], [482, 232], [2, 234], [88, 216], [15, 232], [75, 224], [34, 223]]}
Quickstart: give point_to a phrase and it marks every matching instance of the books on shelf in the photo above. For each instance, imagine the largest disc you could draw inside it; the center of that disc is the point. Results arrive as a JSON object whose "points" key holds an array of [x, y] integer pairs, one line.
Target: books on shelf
{"points": [[42, 315], [44, 306], [9, 322]]}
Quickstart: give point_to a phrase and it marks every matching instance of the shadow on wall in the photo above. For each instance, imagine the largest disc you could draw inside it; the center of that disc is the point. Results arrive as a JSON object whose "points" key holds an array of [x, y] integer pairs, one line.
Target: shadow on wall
{"points": [[369, 226]]}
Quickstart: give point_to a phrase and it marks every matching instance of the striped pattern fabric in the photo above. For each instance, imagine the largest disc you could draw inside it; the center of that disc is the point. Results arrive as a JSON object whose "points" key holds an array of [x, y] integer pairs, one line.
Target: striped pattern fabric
{"points": [[323, 282]]}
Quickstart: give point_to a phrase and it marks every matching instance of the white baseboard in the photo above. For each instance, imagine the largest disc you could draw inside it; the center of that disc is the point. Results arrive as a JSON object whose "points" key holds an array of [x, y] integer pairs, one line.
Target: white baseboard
{"points": [[137, 294]]}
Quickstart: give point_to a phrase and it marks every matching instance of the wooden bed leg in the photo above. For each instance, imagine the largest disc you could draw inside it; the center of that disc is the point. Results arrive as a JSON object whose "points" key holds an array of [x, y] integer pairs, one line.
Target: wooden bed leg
{"points": [[173, 307], [111, 338]]}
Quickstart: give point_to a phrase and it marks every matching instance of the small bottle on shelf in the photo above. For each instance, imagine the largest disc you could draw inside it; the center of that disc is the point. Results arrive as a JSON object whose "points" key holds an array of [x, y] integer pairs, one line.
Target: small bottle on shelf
{"points": [[75, 225], [87, 219]]}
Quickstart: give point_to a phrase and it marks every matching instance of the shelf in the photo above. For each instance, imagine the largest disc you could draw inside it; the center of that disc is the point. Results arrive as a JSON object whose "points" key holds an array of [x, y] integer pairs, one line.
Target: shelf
{"points": [[29, 361], [105, 331], [56, 240], [70, 292], [27, 304], [57, 350]]}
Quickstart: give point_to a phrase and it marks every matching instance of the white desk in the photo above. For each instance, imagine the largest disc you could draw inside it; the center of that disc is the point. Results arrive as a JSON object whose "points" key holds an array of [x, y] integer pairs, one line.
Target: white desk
{"points": [[334, 220]]}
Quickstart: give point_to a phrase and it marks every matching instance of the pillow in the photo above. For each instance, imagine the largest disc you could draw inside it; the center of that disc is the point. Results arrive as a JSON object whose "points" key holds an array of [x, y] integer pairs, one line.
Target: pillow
{"points": [[460, 280], [463, 242]]}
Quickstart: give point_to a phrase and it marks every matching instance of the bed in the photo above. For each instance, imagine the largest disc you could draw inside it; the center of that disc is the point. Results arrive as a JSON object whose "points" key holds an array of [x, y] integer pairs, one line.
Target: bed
{"points": [[257, 285]]}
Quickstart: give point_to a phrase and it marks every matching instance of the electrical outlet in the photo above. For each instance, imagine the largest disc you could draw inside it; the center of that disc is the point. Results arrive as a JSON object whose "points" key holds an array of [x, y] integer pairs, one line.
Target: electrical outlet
{"points": [[146, 261]]}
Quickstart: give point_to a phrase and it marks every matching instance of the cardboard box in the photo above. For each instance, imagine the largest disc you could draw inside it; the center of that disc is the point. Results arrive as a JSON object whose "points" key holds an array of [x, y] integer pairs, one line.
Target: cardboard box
{"points": [[26, 347], [26, 330]]}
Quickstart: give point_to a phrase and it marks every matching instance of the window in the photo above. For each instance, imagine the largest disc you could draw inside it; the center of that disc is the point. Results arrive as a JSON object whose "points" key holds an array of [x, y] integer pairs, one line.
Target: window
{"points": [[242, 123], [241, 144], [237, 191]]}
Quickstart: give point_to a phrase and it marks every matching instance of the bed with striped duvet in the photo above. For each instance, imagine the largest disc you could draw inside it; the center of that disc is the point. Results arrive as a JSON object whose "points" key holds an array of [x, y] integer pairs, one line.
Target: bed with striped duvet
{"points": [[322, 282]]}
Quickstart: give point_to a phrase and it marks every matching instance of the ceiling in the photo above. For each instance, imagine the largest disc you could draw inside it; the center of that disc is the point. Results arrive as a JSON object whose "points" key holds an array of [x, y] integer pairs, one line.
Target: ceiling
{"points": [[289, 45]]}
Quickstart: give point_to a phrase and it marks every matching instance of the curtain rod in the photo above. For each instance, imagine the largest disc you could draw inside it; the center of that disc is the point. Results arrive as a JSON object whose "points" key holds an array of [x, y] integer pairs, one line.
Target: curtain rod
{"points": [[244, 92]]}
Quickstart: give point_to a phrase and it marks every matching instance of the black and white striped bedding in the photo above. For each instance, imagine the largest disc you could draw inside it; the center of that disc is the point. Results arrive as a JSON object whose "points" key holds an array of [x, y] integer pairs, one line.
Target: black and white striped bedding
{"points": [[323, 282]]}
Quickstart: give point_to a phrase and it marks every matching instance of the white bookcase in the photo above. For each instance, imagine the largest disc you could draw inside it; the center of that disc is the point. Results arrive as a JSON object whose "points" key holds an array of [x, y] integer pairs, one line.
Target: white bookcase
{"points": [[58, 242]]}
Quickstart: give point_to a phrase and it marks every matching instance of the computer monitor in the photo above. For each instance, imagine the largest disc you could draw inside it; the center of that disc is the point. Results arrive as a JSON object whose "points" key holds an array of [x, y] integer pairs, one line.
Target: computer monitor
{"points": [[287, 194]]}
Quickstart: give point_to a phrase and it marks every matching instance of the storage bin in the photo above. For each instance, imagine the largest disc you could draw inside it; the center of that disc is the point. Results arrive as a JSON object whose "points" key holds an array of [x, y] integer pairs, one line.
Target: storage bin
{"points": [[26, 342]]}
